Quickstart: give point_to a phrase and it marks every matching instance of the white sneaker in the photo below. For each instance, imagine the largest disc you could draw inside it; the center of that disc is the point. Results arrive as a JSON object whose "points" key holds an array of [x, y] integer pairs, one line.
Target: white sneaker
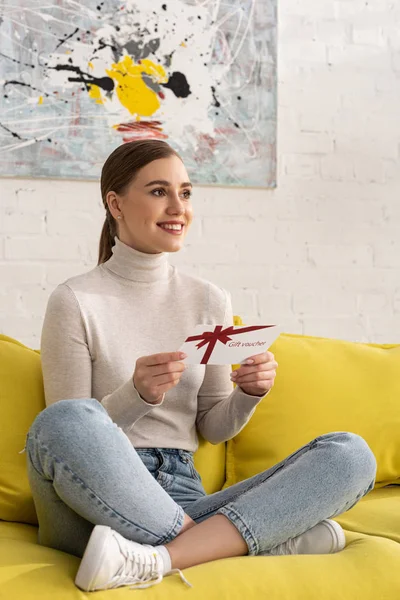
{"points": [[111, 561], [327, 537]]}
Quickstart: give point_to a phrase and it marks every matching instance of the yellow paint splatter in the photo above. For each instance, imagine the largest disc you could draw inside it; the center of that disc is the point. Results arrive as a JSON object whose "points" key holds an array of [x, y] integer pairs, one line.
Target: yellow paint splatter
{"points": [[132, 91], [95, 93]]}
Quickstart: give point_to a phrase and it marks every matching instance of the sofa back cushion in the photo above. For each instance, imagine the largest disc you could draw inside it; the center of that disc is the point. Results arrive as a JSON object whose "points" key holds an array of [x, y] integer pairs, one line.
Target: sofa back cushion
{"points": [[21, 399], [324, 385]]}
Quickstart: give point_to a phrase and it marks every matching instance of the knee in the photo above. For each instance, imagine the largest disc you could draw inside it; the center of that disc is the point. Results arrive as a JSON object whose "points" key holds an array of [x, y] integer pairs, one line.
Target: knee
{"points": [[352, 458], [63, 415]]}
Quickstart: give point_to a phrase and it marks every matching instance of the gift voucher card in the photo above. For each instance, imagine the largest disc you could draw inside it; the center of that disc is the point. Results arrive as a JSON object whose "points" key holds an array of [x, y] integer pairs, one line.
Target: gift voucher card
{"points": [[219, 345]]}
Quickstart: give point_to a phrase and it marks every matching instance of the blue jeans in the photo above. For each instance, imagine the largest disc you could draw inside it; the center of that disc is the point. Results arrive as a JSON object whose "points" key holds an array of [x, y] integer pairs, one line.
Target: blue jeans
{"points": [[83, 471]]}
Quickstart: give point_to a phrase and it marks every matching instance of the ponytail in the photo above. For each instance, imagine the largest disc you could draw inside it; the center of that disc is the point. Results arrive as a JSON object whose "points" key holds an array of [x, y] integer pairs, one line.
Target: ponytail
{"points": [[106, 241]]}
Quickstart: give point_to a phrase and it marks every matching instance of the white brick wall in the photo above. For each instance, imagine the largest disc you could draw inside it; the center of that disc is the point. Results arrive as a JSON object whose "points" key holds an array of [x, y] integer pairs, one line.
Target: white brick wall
{"points": [[321, 253]]}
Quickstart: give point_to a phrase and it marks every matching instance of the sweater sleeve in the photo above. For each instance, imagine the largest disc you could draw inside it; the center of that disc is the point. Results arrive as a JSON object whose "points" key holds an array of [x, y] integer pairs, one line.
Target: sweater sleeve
{"points": [[223, 411], [67, 363]]}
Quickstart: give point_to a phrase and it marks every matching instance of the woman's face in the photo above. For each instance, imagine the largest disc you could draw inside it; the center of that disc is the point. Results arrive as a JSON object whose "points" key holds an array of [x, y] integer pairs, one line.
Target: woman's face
{"points": [[146, 205]]}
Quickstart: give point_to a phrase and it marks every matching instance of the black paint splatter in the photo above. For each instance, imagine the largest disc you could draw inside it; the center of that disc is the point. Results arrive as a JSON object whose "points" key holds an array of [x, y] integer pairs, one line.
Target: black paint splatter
{"points": [[105, 83], [102, 44], [178, 84], [22, 139], [67, 38], [217, 103], [17, 61], [115, 47], [13, 133], [15, 82]]}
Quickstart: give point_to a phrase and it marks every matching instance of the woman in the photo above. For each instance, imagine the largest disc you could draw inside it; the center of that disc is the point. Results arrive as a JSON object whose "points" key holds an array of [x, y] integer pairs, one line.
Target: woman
{"points": [[110, 460]]}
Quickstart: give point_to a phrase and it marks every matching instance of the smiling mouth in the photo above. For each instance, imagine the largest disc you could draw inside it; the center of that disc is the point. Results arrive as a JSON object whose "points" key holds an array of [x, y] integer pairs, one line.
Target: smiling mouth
{"points": [[174, 230]]}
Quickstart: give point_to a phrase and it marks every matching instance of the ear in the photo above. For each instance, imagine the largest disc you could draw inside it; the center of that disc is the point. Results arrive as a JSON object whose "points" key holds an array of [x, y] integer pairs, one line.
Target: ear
{"points": [[114, 203]]}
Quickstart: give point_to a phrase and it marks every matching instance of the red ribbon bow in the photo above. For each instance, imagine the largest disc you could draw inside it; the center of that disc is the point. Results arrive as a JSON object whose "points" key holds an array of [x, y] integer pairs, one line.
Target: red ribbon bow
{"points": [[221, 335]]}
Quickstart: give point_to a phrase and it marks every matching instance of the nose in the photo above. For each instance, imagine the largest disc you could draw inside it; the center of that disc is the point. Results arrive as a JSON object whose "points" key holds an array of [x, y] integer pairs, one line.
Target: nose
{"points": [[175, 205]]}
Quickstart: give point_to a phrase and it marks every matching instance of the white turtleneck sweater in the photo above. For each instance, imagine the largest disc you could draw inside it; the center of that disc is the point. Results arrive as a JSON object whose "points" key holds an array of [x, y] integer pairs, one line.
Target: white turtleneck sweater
{"points": [[99, 323]]}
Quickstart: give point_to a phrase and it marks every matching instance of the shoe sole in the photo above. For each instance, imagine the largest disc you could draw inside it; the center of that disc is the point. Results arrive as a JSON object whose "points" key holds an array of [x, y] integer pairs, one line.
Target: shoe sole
{"points": [[337, 534], [92, 558]]}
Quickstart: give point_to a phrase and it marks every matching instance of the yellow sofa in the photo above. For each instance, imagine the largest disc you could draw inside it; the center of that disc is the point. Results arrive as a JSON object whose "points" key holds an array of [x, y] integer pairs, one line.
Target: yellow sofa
{"points": [[322, 385]]}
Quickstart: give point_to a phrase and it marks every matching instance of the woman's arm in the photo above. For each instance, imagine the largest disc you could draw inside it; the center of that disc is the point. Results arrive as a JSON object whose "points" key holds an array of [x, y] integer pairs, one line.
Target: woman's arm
{"points": [[223, 412], [67, 363]]}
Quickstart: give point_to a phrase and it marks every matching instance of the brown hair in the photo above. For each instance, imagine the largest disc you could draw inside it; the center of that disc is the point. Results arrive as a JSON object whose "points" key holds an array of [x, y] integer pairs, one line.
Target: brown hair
{"points": [[119, 170]]}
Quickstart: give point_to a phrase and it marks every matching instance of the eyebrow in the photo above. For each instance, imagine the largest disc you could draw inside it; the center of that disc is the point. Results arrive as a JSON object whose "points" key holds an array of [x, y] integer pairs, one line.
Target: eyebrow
{"points": [[167, 183]]}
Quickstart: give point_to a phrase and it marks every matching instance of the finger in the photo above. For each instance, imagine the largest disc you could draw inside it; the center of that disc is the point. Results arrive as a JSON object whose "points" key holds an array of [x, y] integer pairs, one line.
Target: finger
{"points": [[259, 358], [162, 358], [246, 370], [158, 390], [171, 367], [256, 377], [166, 378]]}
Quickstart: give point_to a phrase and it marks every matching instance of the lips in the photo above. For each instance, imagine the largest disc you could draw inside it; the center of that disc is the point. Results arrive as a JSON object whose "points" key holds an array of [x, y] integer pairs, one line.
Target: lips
{"points": [[172, 231]]}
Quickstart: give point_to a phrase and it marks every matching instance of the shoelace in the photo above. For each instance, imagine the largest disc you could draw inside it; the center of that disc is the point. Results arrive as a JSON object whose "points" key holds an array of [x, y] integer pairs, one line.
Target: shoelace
{"points": [[183, 578], [145, 568]]}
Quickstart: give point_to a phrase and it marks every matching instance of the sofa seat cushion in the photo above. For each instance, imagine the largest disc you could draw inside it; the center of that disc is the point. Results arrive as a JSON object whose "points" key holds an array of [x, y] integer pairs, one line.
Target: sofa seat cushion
{"points": [[367, 568], [378, 513]]}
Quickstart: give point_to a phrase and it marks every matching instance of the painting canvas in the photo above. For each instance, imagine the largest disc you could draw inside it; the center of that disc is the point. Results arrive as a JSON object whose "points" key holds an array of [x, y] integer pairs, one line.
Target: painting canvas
{"points": [[77, 79]]}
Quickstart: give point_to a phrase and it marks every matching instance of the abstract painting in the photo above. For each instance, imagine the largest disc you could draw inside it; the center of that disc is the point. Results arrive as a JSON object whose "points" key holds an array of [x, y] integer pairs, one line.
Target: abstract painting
{"points": [[78, 79]]}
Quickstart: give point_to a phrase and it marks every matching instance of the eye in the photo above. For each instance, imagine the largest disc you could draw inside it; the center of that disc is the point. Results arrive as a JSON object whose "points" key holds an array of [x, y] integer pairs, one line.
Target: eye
{"points": [[158, 190], [189, 194]]}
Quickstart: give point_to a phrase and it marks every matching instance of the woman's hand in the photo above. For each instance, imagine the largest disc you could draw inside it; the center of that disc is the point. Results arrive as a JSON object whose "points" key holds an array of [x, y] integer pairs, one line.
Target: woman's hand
{"points": [[156, 374], [257, 378]]}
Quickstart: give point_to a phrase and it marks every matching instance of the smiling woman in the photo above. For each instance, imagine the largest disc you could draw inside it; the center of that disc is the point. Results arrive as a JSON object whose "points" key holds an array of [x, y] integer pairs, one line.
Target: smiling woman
{"points": [[130, 182], [124, 413]]}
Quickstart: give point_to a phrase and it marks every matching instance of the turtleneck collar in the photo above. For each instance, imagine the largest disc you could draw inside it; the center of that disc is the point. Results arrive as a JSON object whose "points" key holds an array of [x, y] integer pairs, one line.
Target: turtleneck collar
{"points": [[137, 266]]}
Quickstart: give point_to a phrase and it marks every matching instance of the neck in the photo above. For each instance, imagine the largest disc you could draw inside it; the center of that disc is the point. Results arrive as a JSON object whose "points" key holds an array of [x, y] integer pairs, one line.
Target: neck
{"points": [[137, 266]]}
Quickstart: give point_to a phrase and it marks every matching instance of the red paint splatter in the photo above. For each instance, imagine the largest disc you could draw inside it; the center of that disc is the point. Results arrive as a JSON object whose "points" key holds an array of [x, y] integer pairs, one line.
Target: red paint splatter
{"points": [[139, 130]]}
